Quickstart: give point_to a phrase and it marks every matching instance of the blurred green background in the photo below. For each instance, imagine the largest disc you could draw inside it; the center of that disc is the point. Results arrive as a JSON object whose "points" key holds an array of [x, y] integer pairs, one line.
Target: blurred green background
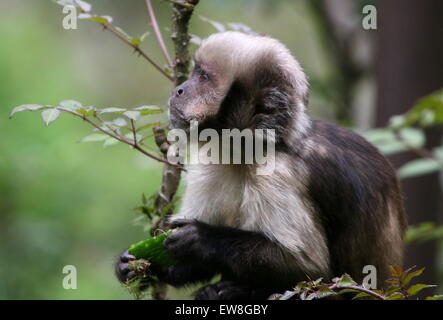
{"points": [[66, 203]]}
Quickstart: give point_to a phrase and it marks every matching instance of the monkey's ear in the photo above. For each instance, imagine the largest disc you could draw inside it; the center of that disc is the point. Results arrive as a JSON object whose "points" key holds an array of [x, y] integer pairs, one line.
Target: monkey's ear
{"points": [[273, 100]]}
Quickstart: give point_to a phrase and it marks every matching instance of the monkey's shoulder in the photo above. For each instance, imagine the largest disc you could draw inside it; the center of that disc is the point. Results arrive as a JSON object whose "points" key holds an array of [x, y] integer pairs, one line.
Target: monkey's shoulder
{"points": [[337, 144], [346, 172]]}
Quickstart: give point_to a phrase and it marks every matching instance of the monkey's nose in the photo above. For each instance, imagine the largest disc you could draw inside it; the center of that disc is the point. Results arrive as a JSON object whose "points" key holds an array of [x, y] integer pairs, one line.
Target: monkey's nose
{"points": [[179, 92]]}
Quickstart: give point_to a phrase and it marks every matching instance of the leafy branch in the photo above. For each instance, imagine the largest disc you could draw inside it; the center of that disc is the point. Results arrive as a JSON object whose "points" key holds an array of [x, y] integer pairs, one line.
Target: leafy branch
{"points": [[112, 129], [397, 288], [157, 32], [405, 133], [105, 22]]}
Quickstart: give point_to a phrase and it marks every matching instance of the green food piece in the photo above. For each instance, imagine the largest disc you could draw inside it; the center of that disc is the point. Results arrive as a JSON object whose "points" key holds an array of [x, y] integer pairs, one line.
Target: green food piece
{"points": [[153, 250]]}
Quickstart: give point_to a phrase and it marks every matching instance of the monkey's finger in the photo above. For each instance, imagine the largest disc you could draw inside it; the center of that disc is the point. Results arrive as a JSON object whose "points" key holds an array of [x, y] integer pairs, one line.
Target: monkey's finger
{"points": [[126, 257]]}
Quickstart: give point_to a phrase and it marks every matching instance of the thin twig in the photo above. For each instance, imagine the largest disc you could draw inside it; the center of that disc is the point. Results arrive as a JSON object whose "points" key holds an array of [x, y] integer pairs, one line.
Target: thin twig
{"points": [[137, 49], [157, 32], [134, 132], [361, 289], [128, 42], [120, 138]]}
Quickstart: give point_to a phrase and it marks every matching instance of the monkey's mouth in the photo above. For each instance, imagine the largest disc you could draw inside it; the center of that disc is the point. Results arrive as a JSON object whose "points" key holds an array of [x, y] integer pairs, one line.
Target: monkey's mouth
{"points": [[177, 119]]}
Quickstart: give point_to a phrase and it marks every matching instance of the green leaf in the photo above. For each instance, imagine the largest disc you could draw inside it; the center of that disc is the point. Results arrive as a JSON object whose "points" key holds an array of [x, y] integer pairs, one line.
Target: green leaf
{"points": [[344, 281], [287, 295], [27, 107], [361, 295], [88, 111], [195, 39], [84, 5], [236, 26], [50, 115], [127, 36], [388, 143], [143, 36], [147, 110], [105, 20], [111, 110], [396, 271], [324, 292], [427, 111], [407, 279], [423, 232], [217, 25], [110, 141], [416, 288], [70, 105], [419, 167], [438, 152], [147, 126], [343, 291], [94, 137], [133, 115], [396, 296], [436, 297], [120, 122]]}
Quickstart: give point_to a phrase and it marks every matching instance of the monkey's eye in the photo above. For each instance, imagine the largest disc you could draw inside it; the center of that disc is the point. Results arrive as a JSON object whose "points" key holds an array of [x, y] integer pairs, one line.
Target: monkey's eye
{"points": [[203, 76]]}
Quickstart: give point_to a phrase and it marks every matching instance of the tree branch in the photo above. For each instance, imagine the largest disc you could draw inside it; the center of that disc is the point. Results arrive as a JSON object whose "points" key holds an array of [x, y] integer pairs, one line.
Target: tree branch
{"points": [[122, 139], [137, 49], [128, 42], [157, 32]]}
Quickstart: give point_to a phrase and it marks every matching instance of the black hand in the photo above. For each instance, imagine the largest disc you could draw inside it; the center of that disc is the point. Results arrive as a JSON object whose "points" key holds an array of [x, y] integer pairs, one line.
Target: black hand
{"points": [[192, 242], [122, 270]]}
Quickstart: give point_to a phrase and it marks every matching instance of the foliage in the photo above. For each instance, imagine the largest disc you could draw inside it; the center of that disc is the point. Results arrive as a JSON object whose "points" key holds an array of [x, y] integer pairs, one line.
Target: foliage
{"points": [[423, 232], [405, 133], [123, 127], [398, 287]]}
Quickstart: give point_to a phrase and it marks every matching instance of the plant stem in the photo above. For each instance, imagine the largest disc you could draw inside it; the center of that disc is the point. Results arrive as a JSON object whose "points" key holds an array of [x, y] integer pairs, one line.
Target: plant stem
{"points": [[364, 290], [137, 49], [157, 32], [120, 138], [134, 133]]}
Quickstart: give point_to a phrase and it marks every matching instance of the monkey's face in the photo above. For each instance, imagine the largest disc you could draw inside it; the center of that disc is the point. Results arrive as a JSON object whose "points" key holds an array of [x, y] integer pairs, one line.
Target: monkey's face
{"points": [[197, 99]]}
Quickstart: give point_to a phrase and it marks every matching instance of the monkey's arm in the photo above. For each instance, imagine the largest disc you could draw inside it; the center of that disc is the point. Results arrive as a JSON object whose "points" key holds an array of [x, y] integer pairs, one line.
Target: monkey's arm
{"points": [[240, 255]]}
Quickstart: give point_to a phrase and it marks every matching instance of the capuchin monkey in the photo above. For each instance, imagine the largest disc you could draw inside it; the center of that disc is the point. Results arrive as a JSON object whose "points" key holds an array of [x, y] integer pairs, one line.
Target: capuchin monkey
{"points": [[331, 206]]}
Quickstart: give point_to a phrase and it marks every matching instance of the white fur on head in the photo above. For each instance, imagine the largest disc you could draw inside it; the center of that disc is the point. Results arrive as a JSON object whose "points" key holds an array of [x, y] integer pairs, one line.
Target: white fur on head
{"points": [[239, 53]]}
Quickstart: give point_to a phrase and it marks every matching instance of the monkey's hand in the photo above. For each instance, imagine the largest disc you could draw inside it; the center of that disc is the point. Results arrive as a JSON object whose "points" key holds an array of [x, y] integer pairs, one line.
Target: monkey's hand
{"points": [[129, 267], [191, 242], [176, 275], [122, 270]]}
